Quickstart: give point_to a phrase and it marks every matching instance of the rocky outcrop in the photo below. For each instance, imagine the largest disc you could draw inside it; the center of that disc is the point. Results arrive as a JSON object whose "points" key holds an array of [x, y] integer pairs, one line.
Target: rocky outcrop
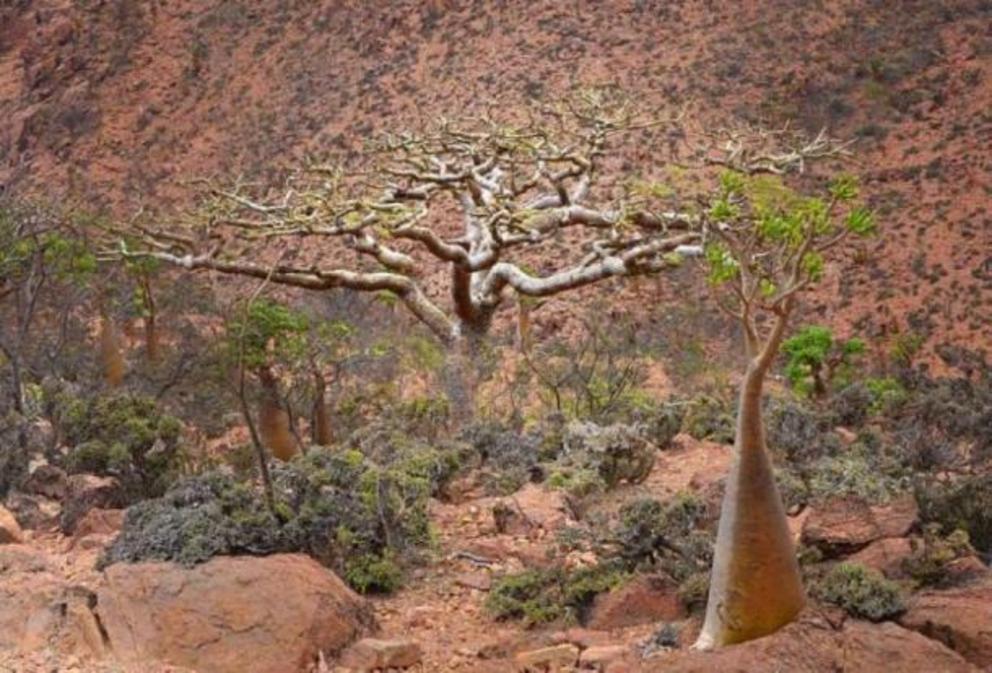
{"points": [[552, 658], [886, 556], [961, 618], [96, 527], [811, 645], [272, 614], [85, 492], [34, 512], [41, 610], [844, 525]]}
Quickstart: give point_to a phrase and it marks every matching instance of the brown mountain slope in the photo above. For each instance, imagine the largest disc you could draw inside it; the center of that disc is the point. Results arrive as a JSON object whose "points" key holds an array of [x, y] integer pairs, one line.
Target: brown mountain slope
{"points": [[115, 100]]}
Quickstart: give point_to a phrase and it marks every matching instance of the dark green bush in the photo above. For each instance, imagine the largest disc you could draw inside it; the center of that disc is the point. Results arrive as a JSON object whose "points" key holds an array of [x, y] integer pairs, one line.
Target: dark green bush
{"points": [[862, 592], [125, 436], [509, 459], [358, 517], [676, 536], [797, 432]]}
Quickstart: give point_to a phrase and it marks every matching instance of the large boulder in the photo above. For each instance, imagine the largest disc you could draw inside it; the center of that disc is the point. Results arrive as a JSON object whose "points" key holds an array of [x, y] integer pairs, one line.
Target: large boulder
{"points": [[812, 645], [844, 525], [961, 618], [271, 614]]}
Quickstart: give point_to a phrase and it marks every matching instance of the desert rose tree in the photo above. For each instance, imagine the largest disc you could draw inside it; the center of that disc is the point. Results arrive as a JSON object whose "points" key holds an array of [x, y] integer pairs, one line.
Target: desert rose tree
{"points": [[454, 219], [766, 244]]}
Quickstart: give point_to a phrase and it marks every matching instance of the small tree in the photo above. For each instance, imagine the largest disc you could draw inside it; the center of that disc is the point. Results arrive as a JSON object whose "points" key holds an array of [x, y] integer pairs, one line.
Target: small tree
{"points": [[767, 244], [43, 259], [474, 199], [262, 334], [816, 359]]}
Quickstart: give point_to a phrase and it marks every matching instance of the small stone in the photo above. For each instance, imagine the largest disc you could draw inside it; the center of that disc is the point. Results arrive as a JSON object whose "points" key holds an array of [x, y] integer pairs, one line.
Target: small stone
{"points": [[10, 530], [480, 581], [547, 658], [371, 653]]}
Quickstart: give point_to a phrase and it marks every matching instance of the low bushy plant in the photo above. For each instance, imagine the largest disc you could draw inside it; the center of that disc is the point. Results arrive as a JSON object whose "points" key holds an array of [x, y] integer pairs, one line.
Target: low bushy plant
{"points": [[709, 418], [543, 596], [932, 555], [861, 591], [359, 517], [122, 435], [965, 505], [675, 536]]}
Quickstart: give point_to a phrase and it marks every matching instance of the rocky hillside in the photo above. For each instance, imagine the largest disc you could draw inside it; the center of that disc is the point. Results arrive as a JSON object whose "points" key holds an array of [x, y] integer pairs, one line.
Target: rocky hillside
{"points": [[116, 102]]}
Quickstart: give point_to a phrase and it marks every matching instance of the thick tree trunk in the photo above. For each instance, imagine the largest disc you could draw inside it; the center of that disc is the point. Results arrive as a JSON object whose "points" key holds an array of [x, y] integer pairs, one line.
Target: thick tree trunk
{"points": [[755, 586]]}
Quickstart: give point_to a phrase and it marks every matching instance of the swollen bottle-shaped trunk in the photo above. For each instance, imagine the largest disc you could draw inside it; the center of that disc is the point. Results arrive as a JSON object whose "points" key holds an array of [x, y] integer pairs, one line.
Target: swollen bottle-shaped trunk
{"points": [[273, 420], [111, 358], [322, 435], [755, 586]]}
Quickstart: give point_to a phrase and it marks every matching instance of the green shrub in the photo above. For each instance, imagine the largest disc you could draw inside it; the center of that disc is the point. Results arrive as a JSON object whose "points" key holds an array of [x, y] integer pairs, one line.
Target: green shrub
{"points": [[862, 592], [709, 418], [527, 596], [799, 433], [856, 472], [125, 436], [509, 458], [886, 394], [373, 574], [358, 517], [604, 454], [694, 591], [544, 596], [931, 557], [676, 536]]}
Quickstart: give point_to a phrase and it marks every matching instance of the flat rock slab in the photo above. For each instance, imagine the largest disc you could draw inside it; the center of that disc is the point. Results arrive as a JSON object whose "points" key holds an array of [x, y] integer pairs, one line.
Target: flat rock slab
{"points": [[370, 654], [849, 524]]}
